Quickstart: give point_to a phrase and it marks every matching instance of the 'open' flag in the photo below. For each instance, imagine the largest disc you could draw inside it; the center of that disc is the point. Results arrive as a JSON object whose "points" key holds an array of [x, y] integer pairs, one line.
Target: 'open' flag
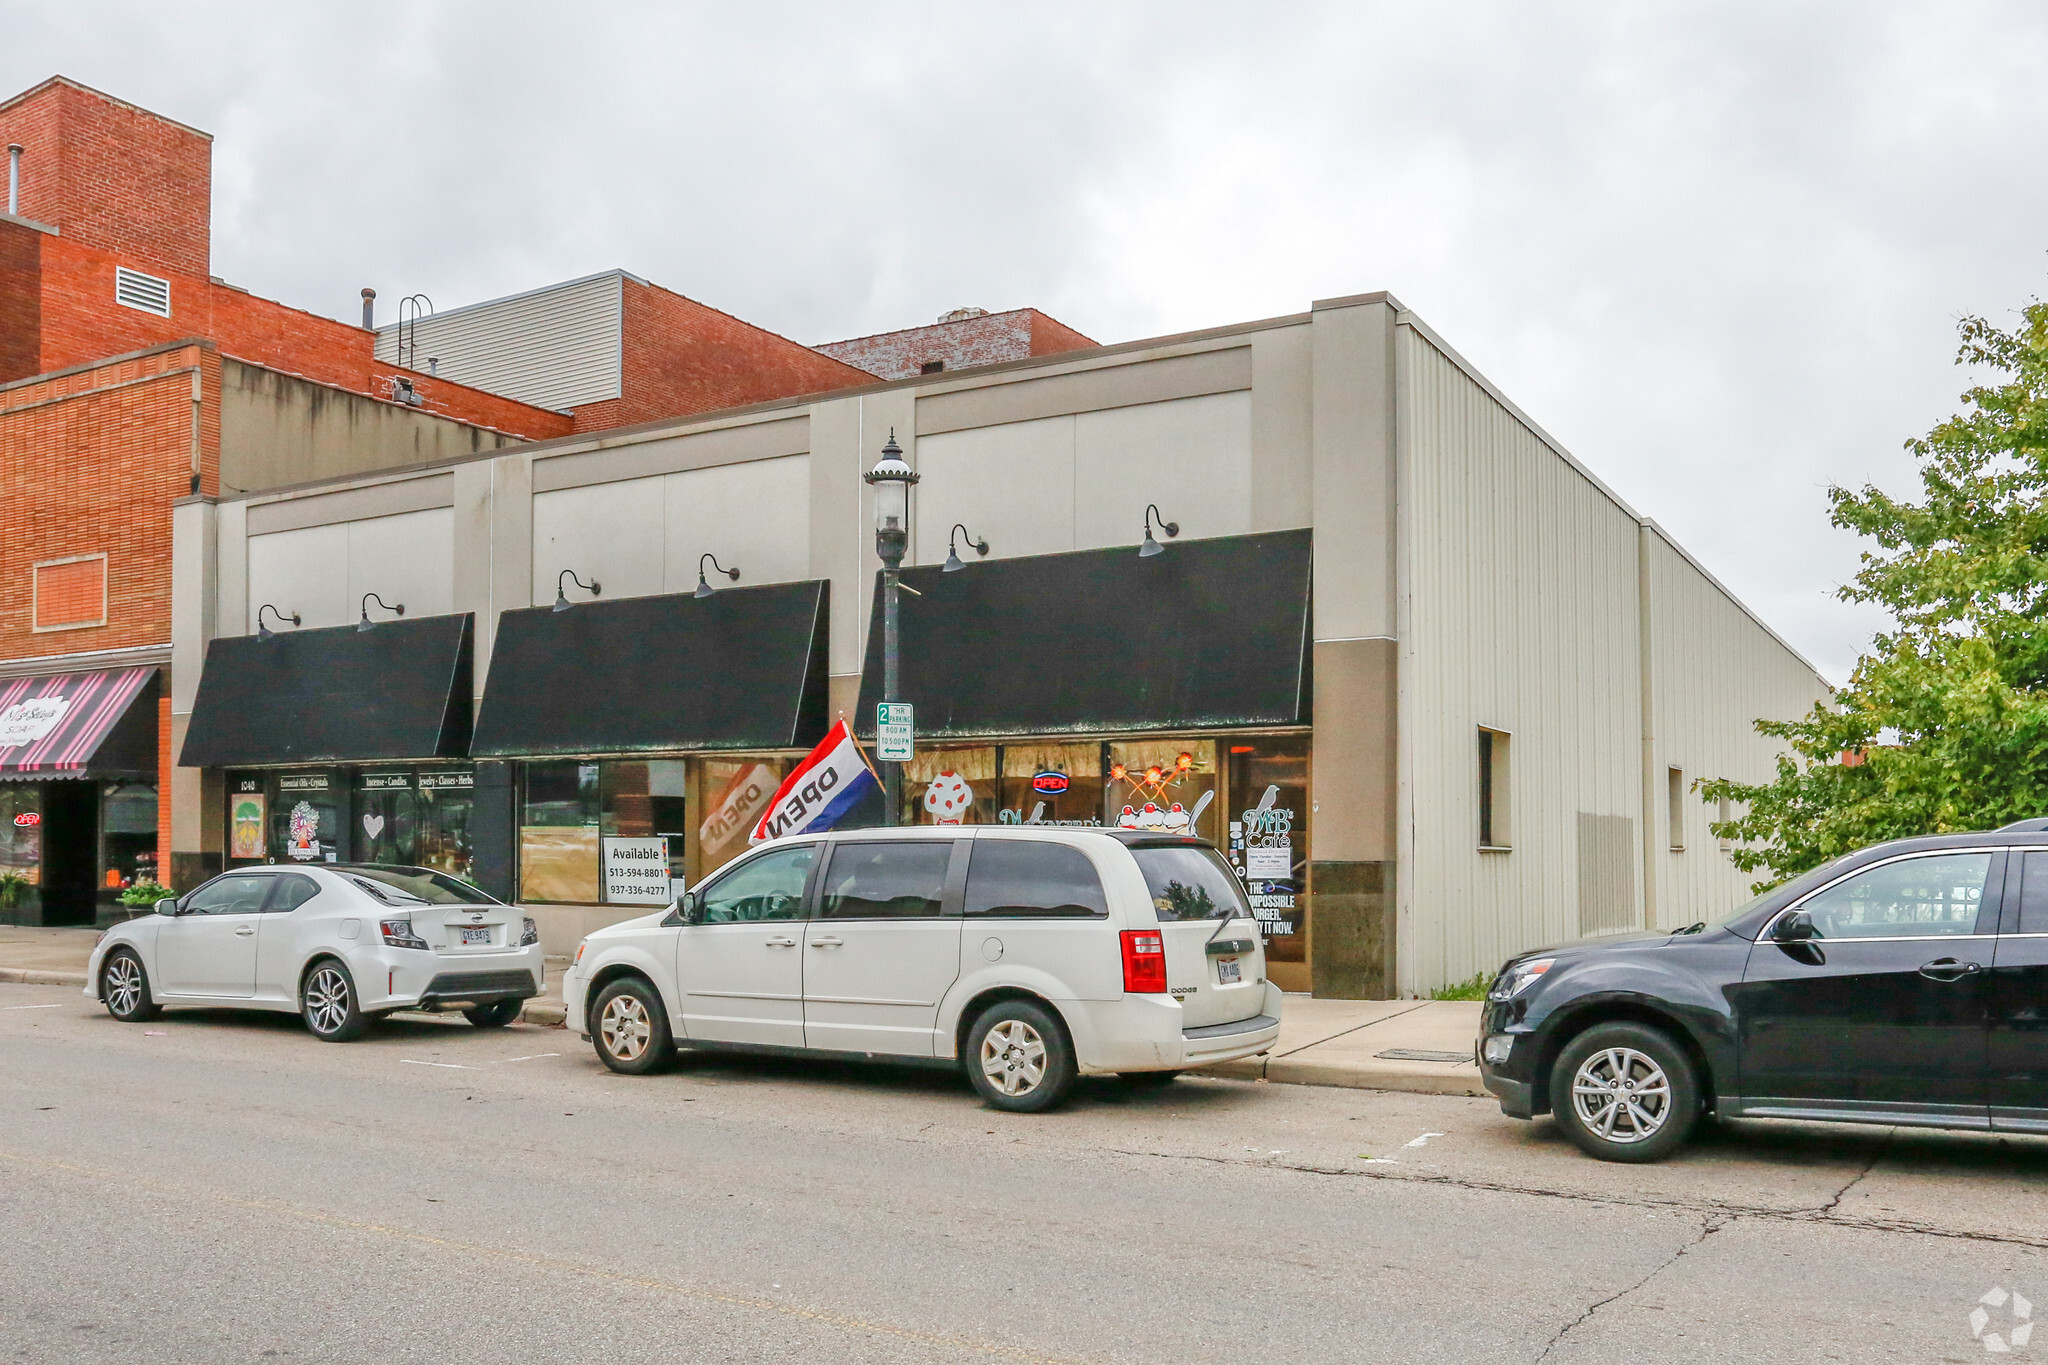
{"points": [[829, 782]]}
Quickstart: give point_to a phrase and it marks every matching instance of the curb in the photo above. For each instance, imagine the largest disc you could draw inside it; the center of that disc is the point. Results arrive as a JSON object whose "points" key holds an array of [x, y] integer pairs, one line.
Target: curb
{"points": [[1283, 1071], [546, 1015], [29, 976]]}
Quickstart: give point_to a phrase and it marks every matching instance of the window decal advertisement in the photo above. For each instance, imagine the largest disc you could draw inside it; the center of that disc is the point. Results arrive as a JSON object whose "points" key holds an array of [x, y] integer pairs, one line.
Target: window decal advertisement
{"points": [[248, 817]]}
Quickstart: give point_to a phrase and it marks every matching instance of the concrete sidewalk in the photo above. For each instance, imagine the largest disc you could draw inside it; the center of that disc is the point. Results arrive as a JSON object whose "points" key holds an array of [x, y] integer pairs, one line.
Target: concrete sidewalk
{"points": [[1414, 1045]]}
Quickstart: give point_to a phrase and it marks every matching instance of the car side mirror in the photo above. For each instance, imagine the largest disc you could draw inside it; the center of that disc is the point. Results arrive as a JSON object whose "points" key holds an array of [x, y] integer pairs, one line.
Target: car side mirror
{"points": [[167, 906], [693, 907], [1796, 927]]}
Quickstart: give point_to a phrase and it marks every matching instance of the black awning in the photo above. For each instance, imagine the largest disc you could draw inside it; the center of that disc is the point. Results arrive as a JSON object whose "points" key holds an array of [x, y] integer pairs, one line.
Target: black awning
{"points": [[1210, 633], [741, 669], [400, 689]]}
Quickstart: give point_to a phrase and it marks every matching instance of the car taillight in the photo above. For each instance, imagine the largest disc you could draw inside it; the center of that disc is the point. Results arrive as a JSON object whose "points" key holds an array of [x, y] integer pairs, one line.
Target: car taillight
{"points": [[529, 933], [399, 933], [1144, 962]]}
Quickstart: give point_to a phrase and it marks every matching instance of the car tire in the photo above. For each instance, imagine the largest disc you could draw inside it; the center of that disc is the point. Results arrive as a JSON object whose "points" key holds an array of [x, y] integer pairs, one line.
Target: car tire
{"points": [[1625, 1092], [1148, 1080], [629, 1028], [124, 988], [1020, 1058], [497, 1014], [329, 1004]]}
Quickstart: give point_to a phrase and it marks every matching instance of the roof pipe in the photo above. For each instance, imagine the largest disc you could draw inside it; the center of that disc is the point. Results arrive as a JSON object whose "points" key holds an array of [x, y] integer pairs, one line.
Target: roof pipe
{"points": [[369, 309], [14, 151]]}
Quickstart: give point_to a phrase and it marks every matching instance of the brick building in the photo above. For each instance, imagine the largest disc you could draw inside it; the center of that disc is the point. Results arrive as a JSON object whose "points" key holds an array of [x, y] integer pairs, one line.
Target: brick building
{"points": [[959, 340], [133, 380]]}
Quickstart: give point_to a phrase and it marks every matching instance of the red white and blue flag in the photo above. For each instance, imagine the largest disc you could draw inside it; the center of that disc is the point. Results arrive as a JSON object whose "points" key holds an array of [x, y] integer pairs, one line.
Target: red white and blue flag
{"points": [[817, 795]]}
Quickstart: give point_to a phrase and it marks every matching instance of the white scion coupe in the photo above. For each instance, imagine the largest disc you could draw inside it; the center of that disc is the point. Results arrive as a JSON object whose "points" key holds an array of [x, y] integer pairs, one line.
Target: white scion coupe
{"points": [[340, 943]]}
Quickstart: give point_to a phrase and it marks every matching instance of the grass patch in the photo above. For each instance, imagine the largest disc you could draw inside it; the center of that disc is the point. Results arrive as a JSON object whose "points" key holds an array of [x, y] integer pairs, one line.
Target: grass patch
{"points": [[1474, 989]]}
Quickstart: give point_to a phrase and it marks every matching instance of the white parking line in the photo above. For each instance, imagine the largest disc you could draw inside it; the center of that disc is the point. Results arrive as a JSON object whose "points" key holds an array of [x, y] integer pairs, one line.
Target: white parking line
{"points": [[452, 1066], [534, 1057], [4, 1008]]}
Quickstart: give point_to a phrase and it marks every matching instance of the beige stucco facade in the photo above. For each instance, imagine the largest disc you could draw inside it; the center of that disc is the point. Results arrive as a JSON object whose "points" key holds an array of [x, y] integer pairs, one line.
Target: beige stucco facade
{"points": [[1467, 573]]}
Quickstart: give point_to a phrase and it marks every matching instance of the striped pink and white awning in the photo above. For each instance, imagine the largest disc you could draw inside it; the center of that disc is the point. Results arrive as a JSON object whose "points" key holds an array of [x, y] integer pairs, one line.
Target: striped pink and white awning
{"points": [[55, 724]]}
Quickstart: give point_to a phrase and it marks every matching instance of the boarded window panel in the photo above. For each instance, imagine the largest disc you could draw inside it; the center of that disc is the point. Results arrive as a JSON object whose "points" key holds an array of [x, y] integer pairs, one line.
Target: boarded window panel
{"points": [[73, 593], [1607, 873]]}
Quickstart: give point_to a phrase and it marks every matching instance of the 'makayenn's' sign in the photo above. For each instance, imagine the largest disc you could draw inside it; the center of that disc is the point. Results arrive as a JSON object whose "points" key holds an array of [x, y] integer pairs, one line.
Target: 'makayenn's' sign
{"points": [[25, 722]]}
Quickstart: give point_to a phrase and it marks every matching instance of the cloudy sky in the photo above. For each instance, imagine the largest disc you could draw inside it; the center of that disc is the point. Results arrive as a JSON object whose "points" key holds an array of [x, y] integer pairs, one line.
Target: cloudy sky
{"points": [[1716, 250]]}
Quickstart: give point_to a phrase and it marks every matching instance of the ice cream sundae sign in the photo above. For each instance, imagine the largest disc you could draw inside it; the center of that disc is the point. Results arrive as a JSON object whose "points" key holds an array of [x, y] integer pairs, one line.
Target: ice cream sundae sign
{"points": [[27, 722]]}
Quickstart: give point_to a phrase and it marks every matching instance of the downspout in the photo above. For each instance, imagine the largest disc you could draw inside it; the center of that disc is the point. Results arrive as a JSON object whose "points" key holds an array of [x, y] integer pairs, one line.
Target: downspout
{"points": [[14, 151], [1644, 639]]}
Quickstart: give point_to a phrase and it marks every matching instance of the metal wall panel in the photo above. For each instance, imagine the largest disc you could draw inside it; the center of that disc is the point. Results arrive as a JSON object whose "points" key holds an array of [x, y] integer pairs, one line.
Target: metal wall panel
{"points": [[1519, 614], [558, 347], [1714, 670]]}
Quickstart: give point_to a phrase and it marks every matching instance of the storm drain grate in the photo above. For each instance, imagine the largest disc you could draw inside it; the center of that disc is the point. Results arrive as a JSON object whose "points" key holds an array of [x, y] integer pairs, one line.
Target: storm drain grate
{"points": [[1422, 1054]]}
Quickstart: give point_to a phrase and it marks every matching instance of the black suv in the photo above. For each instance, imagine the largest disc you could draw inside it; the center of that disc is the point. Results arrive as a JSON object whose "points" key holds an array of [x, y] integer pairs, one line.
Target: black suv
{"points": [[1905, 983]]}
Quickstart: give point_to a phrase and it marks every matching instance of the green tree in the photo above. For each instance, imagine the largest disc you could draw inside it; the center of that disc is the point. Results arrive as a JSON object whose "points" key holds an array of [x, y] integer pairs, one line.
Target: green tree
{"points": [[1948, 710]]}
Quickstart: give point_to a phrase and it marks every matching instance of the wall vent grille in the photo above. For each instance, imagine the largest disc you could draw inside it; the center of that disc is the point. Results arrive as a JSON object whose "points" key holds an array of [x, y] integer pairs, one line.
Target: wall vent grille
{"points": [[133, 289]]}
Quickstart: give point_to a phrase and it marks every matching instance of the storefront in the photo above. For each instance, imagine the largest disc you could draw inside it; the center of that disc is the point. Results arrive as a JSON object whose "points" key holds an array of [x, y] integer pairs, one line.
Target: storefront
{"points": [[645, 736], [343, 744], [1166, 693], [78, 794]]}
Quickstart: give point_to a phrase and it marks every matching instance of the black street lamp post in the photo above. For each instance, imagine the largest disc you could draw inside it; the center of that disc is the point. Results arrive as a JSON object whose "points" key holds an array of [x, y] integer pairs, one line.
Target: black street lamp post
{"points": [[891, 479]]}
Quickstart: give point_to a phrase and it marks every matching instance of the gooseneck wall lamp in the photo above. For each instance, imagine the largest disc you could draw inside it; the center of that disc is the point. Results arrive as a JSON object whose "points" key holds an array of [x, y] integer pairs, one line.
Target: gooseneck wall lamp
{"points": [[264, 632], [953, 561], [365, 623], [1152, 547], [704, 589], [892, 480], [562, 597]]}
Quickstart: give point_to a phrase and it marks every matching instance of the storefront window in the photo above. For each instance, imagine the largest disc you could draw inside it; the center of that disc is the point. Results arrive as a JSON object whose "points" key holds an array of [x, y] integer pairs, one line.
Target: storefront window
{"points": [[1166, 786], [446, 797], [560, 824], [21, 831], [1269, 837], [127, 835], [307, 816], [950, 787], [387, 817], [649, 800], [736, 795], [1051, 784]]}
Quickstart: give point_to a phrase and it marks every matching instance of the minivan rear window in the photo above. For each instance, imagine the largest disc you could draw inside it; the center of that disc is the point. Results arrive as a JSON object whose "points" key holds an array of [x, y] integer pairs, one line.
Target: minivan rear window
{"points": [[1033, 879], [1191, 883]]}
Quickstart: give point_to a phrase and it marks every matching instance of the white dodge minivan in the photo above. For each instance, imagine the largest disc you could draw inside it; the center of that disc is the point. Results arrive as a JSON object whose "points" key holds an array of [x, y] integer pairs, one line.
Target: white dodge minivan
{"points": [[1027, 955]]}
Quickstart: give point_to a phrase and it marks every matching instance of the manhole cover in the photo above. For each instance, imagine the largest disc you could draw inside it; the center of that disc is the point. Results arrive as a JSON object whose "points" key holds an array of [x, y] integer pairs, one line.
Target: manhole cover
{"points": [[1422, 1054]]}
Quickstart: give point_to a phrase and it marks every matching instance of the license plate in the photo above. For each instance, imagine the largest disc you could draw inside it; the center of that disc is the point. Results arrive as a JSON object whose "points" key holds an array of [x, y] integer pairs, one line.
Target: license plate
{"points": [[480, 934], [1228, 970]]}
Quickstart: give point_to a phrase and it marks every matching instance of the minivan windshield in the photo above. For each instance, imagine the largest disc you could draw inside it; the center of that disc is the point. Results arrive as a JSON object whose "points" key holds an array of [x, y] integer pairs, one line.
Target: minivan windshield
{"points": [[1190, 882], [416, 885]]}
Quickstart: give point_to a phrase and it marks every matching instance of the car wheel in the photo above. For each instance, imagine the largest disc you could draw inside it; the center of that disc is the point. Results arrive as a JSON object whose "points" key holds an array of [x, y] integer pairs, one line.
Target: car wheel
{"points": [[497, 1014], [629, 1027], [1148, 1080], [1019, 1058], [1625, 1092], [329, 1003], [124, 986]]}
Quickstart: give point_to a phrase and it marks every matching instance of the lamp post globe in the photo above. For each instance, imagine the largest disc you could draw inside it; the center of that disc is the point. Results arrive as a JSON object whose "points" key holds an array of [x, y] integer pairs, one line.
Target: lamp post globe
{"points": [[891, 480]]}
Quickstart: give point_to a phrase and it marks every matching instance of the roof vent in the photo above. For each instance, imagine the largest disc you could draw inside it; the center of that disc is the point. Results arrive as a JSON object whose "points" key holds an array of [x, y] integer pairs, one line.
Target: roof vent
{"points": [[962, 314], [402, 391], [133, 289]]}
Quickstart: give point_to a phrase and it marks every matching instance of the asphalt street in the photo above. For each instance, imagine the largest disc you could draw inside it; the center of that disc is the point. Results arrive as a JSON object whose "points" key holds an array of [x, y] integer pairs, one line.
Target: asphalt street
{"points": [[219, 1187]]}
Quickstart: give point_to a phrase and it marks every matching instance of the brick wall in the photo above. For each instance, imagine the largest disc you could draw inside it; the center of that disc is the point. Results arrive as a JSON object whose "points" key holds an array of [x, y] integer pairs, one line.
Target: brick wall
{"points": [[89, 464], [110, 175], [990, 339], [82, 324], [682, 357], [21, 301]]}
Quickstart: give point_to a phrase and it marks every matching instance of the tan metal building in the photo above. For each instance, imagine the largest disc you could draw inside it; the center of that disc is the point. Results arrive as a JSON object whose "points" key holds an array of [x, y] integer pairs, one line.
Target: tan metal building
{"points": [[1437, 689]]}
